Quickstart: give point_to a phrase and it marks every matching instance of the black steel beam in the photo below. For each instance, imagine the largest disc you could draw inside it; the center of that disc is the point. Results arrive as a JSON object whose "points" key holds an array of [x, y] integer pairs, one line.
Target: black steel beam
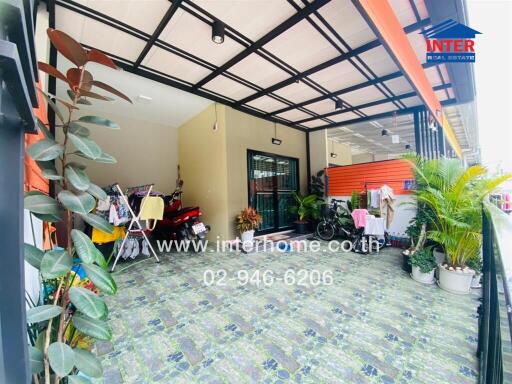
{"points": [[405, 111], [296, 18], [356, 51], [158, 30], [417, 132], [352, 88], [114, 23], [370, 104]]}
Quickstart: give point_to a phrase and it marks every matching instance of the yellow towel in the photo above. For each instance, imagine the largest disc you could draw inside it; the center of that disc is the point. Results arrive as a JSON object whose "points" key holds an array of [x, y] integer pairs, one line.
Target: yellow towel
{"points": [[100, 237], [152, 208]]}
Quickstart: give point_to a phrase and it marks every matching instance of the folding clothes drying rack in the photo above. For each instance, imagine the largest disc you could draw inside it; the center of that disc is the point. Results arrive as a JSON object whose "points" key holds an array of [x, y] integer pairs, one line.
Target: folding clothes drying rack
{"points": [[135, 220]]}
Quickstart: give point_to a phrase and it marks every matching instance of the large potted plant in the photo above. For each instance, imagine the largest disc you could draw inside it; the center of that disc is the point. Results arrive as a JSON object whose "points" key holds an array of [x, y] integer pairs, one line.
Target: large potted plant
{"points": [[247, 222], [423, 265], [454, 195], [306, 207], [72, 312]]}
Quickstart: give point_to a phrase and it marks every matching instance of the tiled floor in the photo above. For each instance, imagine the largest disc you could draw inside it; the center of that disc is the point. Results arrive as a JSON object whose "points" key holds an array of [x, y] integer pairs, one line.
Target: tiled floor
{"points": [[372, 325]]}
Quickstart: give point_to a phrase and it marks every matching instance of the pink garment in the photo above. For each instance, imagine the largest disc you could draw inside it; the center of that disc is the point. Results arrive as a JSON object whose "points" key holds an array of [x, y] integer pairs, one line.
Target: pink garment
{"points": [[507, 205], [359, 217]]}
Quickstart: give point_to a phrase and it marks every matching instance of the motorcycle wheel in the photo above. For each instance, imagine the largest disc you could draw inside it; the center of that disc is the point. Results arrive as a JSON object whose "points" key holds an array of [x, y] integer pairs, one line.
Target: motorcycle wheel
{"points": [[325, 231]]}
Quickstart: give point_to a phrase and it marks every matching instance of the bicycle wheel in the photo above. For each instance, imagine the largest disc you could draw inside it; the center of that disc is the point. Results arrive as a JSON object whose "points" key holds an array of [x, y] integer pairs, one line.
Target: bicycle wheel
{"points": [[325, 230]]}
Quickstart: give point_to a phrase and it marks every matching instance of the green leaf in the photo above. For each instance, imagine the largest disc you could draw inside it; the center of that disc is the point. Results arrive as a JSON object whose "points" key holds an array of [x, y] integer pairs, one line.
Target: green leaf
{"points": [[97, 192], [77, 177], [43, 313], [39, 344], [74, 379], [99, 121], [101, 279], [62, 358], [33, 255], [98, 329], [40, 203], [106, 159], [82, 100], [85, 145], [44, 129], [84, 247], [45, 149], [52, 105], [48, 170], [98, 222], [78, 129], [79, 202], [88, 303], [55, 263], [36, 359], [87, 363], [50, 218]]}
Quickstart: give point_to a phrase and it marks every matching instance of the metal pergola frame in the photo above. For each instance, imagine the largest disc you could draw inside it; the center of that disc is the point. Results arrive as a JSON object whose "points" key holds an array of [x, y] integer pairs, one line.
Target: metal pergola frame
{"points": [[346, 53]]}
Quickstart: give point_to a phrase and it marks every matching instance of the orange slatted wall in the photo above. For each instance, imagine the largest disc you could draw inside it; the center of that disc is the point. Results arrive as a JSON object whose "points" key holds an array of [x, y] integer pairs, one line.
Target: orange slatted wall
{"points": [[345, 179], [34, 180]]}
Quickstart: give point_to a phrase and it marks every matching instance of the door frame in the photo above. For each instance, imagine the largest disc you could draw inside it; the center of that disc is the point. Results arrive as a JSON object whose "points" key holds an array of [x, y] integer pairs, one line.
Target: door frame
{"points": [[275, 190]]}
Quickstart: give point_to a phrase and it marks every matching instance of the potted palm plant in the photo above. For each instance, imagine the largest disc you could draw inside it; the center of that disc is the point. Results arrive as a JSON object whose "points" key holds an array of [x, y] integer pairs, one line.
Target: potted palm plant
{"points": [[423, 265], [454, 195], [247, 222], [306, 207]]}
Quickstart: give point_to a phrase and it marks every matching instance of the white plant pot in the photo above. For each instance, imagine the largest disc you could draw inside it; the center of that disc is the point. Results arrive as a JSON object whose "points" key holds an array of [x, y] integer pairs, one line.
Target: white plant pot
{"points": [[458, 282], [476, 281], [424, 278], [440, 256], [440, 259], [247, 236]]}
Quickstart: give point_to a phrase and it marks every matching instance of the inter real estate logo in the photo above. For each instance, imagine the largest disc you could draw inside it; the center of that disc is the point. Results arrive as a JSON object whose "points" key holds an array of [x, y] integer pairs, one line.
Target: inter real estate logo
{"points": [[450, 41]]}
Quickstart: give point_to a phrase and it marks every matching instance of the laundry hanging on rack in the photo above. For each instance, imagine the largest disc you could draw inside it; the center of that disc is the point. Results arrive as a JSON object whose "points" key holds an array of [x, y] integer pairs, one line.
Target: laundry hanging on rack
{"points": [[387, 204]]}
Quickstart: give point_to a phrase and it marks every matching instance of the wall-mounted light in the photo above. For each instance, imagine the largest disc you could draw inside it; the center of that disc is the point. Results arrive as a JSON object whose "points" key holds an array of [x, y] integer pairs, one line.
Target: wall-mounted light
{"points": [[275, 140], [384, 132], [218, 32], [338, 104], [407, 146], [334, 155]]}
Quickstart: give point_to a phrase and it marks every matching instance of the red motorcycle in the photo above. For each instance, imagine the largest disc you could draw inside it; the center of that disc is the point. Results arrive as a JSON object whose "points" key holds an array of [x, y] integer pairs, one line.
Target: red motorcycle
{"points": [[180, 223]]}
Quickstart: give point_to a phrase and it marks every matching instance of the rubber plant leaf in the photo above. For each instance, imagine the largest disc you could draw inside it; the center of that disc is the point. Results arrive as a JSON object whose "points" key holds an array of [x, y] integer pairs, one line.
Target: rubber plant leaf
{"points": [[62, 358], [79, 202], [101, 58], [73, 75], [110, 89], [88, 302], [51, 70], [68, 47], [94, 95], [99, 121]]}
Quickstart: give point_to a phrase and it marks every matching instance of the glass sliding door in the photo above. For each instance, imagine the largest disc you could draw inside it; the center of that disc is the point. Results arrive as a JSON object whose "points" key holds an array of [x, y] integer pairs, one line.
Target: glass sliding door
{"points": [[272, 180]]}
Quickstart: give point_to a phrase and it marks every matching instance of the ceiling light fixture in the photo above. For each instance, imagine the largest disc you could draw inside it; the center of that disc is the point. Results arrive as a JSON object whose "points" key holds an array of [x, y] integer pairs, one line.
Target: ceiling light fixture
{"points": [[338, 104], [334, 155], [218, 32], [275, 140], [384, 132]]}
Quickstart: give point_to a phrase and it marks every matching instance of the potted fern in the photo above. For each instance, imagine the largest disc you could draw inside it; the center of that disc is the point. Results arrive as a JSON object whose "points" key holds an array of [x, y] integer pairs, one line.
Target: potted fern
{"points": [[306, 207], [455, 195], [423, 265], [74, 313], [247, 222]]}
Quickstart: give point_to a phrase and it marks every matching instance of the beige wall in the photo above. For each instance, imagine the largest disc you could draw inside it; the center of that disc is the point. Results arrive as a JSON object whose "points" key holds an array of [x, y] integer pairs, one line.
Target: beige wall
{"points": [[362, 158], [343, 151], [248, 132], [145, 152], [318, 151], [214, 163], [202, 159]]}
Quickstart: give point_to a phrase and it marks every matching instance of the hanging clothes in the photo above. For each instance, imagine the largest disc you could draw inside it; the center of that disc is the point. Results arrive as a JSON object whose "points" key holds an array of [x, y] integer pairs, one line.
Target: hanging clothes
{"points": [[387, 203], [359, 217], [101, 237], [373, 198]]}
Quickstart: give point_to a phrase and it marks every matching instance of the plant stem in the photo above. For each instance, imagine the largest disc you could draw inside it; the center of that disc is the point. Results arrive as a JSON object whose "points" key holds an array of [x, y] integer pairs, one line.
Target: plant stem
{"points": [[47, 338]]}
